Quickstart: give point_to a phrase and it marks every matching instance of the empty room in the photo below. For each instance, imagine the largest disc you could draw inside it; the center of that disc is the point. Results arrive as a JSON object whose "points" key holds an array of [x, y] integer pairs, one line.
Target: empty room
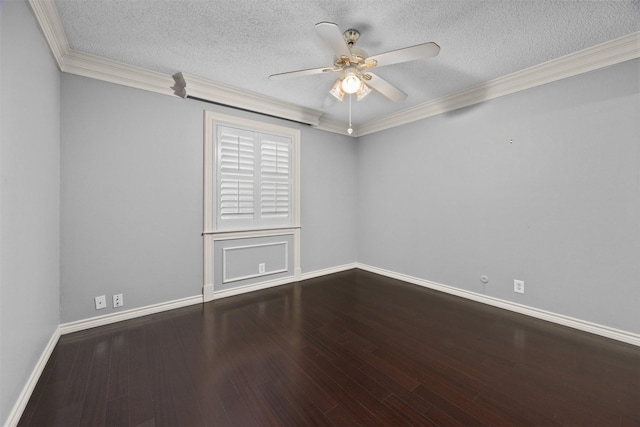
{"points": [[319, 212]]}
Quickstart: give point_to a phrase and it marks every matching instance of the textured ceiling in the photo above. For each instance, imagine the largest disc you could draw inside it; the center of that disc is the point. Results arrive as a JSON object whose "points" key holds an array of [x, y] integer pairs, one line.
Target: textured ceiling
{"points": [[241, 42]]}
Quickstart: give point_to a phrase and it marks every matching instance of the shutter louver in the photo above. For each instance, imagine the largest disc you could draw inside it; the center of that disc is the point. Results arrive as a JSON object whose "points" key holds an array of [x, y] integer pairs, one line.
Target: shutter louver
{"points": [[236, 196], [274, 179]]}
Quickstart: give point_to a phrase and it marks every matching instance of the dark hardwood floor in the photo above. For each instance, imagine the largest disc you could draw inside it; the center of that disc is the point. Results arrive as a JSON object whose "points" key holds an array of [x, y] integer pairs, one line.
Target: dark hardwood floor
{"points": [[348, 349]]}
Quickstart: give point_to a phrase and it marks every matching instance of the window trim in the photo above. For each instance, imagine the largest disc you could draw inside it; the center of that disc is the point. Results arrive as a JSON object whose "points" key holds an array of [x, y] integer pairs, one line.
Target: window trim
{"points": [[211, 235], [211, 121]]}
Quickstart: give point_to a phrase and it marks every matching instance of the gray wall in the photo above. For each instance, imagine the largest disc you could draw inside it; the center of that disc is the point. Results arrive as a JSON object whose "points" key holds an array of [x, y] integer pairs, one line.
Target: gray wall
{"points": [[450, 198], [131, 195], [29, 199], [329, 200]]}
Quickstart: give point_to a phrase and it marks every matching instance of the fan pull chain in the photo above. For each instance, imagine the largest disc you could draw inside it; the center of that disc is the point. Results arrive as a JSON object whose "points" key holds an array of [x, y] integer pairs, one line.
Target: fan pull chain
{"points": [[349, 129]]}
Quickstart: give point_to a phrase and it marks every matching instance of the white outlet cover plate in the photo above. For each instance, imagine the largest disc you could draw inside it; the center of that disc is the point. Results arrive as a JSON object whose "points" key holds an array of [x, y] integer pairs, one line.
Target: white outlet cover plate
{"points": [[117, 301], [101, 302], [518, 286]]}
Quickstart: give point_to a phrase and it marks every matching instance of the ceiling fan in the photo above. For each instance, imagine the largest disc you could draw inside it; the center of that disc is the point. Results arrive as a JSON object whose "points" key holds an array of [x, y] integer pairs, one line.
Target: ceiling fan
{"points": [[354, 64]]}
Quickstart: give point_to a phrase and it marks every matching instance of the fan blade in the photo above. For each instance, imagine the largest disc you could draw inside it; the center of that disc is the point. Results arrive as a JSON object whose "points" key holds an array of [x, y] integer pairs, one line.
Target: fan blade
{"points": [[298, 73], [421, 51], [384, 87], [332, 36]]}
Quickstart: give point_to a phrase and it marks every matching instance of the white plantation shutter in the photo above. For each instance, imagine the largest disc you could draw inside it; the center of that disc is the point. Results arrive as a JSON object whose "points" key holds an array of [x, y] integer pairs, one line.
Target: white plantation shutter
{"points": [[275, 178], [236, 177], [254, 179]]}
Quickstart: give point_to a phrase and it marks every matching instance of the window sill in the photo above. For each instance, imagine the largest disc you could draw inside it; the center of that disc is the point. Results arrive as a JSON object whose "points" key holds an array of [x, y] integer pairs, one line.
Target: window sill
{"points": [[260, 232]]}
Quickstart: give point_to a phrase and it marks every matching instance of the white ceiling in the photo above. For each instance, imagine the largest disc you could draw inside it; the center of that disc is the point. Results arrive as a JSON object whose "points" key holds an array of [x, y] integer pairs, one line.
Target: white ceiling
{"points": [[241, 42]]}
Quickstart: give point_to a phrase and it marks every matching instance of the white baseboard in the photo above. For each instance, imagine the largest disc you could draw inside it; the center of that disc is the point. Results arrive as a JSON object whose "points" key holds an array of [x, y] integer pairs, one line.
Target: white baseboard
{"points": [[605, 331], [279, 282], [93, 322], [327, 271], [27, 390], [253, 287]]}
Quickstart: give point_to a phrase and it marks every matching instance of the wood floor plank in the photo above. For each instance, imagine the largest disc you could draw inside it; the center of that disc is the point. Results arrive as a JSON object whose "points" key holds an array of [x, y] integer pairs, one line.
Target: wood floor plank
{"points": [[161, 376], [522, 414], [286, 413], [340, 417], [452, 408], [321, 371], [381, 414], [214, 413], [304, 405], [189, 413], [406, 414], [94, 405], [52, 382], [76, 386], [234, 405], [348, 349], [411, 399], [140, 393], [303, 368], [118, 382], [117, 412]]}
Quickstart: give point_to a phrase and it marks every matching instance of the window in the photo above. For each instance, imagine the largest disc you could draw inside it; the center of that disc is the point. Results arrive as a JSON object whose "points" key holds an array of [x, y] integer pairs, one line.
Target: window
{"points": [[251, 174]]}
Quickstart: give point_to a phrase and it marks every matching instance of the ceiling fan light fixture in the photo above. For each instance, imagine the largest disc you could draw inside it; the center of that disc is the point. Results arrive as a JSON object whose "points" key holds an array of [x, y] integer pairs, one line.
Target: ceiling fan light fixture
{"points": [[363, 91], [336, 90], [351, 83]]}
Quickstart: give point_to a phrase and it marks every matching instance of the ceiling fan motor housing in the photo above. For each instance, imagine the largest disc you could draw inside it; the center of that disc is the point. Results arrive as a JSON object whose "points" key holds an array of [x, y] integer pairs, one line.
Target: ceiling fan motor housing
{"points": [[351, 36]]}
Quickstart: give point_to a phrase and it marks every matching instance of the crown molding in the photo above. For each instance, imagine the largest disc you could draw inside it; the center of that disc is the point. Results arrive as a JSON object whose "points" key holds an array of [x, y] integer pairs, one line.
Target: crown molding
{"points": [[603, 55], [96, 67], [71, 61], [187, 85], [336, 127], [47, 16]]}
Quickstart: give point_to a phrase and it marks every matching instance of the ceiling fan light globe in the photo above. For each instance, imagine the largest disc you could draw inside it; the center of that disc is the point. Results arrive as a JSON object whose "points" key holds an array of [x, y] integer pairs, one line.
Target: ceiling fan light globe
{"points": [[363, 91], [337, 91], [351, 84]]}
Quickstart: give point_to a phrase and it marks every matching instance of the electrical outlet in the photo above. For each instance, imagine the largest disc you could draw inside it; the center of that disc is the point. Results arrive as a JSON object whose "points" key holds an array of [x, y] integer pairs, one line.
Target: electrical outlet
{"points": [[101, 302], [518, 286], [261, 267], [118, 301]]}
